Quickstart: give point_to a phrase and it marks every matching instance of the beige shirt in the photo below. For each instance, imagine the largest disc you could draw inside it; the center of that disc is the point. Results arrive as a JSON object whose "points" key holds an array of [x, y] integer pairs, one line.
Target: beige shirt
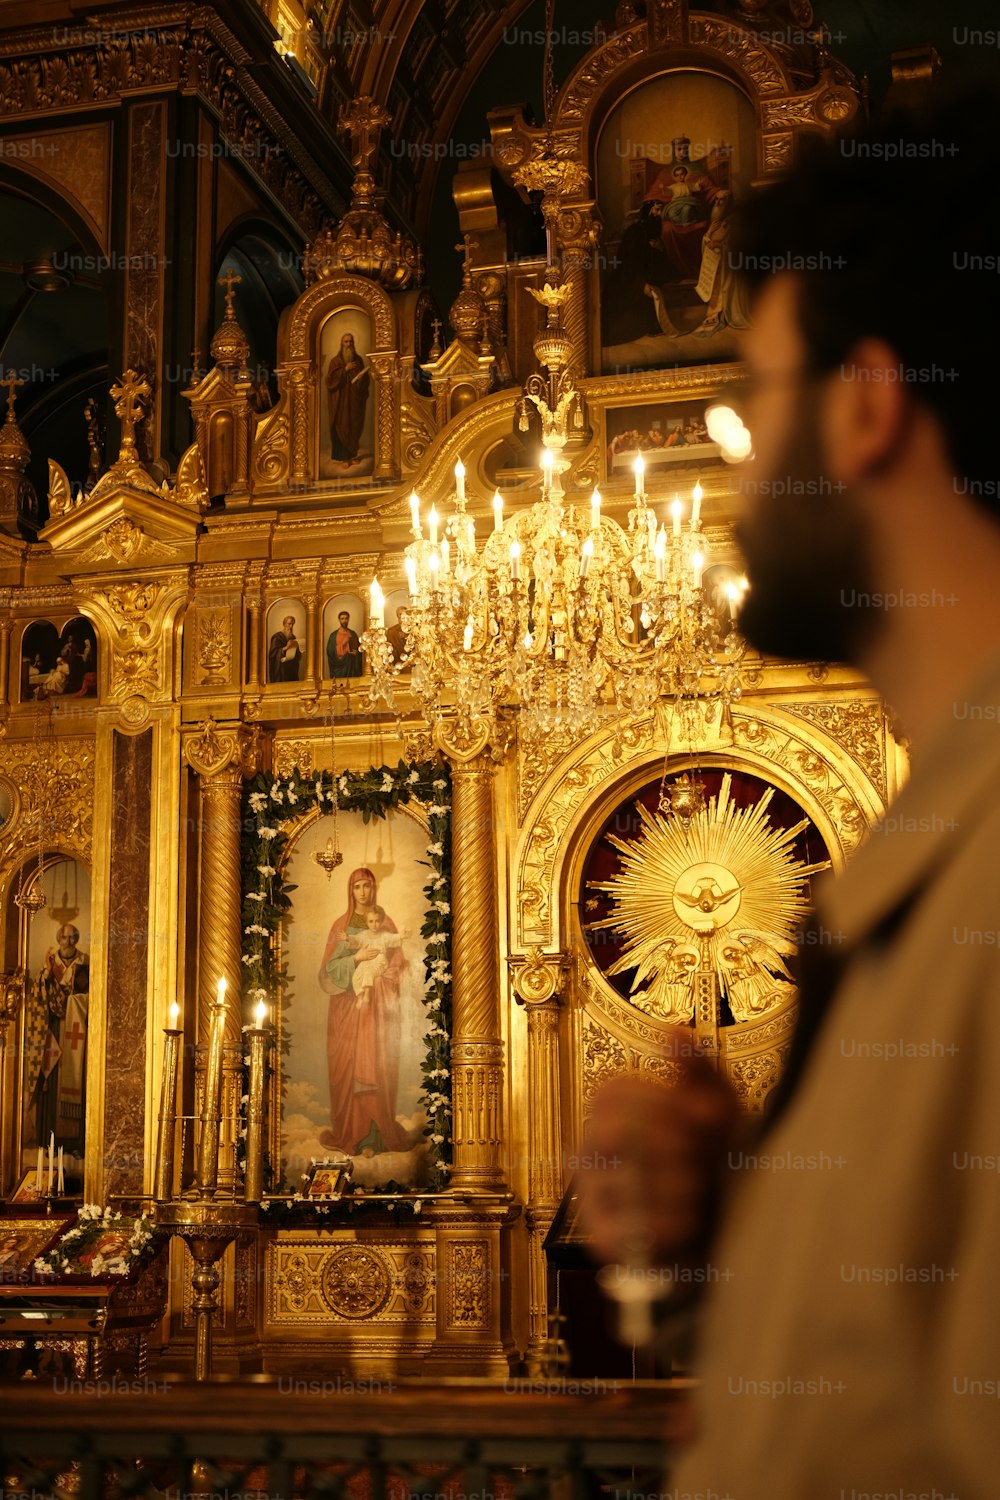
{"points": [[851, 1344]]}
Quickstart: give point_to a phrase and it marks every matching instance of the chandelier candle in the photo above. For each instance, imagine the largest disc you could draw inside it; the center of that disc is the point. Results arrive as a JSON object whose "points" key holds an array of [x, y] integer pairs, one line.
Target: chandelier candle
{"points": [[415, 513], [163, 1180], [640, 477], [497, 511], [595, 510], [696, 506], [460, 482]]}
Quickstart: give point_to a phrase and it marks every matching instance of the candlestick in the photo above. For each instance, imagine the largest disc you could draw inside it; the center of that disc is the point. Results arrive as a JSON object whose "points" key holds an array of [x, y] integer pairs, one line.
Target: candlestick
{"points": [[639, 468], [163, 1179], [660, 553], [698, 566], [52, 1160], [415, 512], [467, 636], [61, 1184], [595, 509], [40, 1173], [253, 1180], [497, 510], [432, 521], [515, 561], [460, 479], [260, 1014], [696, 506], [675, 511], [546, 473], [410, 568], [586, 553], [208, 1160]]}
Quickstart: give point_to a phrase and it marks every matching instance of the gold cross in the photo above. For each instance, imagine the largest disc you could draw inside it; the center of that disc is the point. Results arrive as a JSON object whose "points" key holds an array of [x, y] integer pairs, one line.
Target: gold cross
{"points": [[229, 281], [128, 396], [12, 381]]}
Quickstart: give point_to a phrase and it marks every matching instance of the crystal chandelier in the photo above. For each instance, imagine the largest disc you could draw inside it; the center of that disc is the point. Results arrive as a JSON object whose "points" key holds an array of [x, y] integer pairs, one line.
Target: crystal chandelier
{"points": [[560, 614]]}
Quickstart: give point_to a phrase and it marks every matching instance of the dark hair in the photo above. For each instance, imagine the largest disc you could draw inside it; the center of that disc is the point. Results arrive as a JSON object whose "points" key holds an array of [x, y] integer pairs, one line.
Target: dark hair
{"points": [[886, 230]]}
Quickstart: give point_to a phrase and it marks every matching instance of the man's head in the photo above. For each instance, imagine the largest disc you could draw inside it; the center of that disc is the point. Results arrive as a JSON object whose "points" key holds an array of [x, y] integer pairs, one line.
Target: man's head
{"points": [[344, 619], [288, 624], [866, 360], [67, 937]]}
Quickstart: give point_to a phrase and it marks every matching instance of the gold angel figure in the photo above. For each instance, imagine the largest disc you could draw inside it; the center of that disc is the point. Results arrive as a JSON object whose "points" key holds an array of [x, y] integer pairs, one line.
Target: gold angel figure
{"points": [[746, 961]]}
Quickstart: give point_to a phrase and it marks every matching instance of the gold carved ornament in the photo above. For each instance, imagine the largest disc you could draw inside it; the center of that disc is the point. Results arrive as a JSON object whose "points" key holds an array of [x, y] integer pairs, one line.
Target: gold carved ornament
{"points": [[718, 900]]}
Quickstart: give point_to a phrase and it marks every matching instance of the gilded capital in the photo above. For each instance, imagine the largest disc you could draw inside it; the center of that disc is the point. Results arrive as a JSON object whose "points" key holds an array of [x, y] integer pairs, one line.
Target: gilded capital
{"points": [[539, 978], [214, 752]]}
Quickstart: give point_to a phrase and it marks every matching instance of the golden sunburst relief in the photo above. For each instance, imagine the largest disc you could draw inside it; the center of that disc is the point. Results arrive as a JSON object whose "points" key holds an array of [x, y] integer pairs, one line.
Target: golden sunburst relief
{"points": [[724, 895]]}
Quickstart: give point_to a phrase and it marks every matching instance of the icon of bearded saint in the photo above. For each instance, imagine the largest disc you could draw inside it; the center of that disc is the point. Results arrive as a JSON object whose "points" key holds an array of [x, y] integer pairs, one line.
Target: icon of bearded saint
{"points": [[347, 386]]}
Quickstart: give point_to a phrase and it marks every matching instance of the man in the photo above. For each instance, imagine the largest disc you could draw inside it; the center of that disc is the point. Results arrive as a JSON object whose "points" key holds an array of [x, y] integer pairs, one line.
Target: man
{"points": [[347, 385], [284, 653], [849, 1341], [58, 1039], [343, 649]]}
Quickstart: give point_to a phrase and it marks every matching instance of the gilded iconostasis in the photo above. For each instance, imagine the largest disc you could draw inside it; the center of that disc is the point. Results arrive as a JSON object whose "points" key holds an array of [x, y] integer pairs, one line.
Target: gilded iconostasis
{"points": [[382, 767]]}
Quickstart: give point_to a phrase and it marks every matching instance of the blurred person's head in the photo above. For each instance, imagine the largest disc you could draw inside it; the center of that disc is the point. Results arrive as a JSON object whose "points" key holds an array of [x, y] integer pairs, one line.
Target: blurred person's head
{"points": [[869, 366]]}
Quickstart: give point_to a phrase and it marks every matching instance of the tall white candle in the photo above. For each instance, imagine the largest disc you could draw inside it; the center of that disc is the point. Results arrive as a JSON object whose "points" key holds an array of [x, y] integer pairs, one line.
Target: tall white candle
{"points": [[595, 509], [460, 479], [640, 476], [497, 510], [62, 1183], [696, 506], [415, 512], [52, 1158], [410, 569], [675, 511], [586, 553], [515, 560], [698, 567], [40, 1173]]}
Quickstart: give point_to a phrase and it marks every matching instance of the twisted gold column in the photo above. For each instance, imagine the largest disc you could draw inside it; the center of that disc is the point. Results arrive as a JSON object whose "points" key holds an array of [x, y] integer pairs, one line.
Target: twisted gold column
{"points": [[477, 1054], [577, 236], [221, 758]]}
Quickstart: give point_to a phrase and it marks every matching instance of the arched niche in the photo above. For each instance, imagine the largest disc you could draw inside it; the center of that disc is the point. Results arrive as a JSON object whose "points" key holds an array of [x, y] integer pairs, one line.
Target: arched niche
{"points": [[293, 440]]}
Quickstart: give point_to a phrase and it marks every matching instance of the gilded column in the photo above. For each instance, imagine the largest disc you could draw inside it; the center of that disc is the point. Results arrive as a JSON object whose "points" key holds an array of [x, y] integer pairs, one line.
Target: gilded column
{"points": [[477, 1054], [222, 758], [538, 982], [578, 236], [5, 629]]}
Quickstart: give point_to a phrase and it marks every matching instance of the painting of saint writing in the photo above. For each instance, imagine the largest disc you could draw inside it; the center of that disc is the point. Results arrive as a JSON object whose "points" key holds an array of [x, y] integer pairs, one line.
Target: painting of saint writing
{"points": [[352, 1002]]}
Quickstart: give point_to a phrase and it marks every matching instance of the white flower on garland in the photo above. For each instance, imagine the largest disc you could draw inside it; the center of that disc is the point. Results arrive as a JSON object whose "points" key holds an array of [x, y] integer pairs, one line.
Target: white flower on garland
{"points": [[268, 832], [256, 927], [388, 784], [342, 783], [439, 786], [291, 794], [251, 958], [437, 938], [258, 801], [413, 778], [266, 870], [256, 895], [435, 850], [436, 811]]}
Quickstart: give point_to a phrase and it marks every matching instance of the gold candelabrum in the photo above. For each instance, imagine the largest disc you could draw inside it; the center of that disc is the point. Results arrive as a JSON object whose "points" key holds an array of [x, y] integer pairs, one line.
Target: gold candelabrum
{"points": [[560, 614], [207, 1219]]}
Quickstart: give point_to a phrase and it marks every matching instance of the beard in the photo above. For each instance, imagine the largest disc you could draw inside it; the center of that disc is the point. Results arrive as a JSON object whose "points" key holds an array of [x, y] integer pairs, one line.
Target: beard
{"points": [[806, 550]]}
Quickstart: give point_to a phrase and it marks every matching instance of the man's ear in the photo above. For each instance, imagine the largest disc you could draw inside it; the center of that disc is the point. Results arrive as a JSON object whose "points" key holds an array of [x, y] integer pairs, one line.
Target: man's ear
{"points": [[865, 412]]}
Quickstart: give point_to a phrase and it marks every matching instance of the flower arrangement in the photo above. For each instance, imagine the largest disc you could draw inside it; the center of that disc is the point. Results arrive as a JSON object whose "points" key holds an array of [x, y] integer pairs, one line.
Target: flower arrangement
{"points": [[272, 803], [102, 1242]]}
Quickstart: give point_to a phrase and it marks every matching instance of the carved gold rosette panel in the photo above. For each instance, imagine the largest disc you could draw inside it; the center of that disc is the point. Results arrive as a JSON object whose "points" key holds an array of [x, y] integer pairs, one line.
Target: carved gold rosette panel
{"points": [[317, 1284]]}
